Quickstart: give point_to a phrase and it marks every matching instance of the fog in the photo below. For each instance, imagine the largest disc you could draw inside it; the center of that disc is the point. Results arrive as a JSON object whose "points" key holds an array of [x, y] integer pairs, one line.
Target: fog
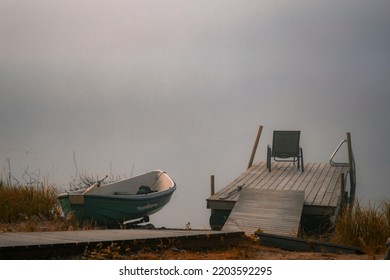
{"points": [[182, 86]]}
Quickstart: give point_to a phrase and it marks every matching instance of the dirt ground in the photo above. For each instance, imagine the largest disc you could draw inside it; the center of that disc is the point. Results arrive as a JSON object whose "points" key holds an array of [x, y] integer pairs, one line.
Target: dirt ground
{"points": [[247, 249], [261, 253]]}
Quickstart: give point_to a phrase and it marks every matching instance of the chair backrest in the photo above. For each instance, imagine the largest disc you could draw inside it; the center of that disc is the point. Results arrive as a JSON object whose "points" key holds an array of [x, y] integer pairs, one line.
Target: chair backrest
{"points": [[285, 143]]}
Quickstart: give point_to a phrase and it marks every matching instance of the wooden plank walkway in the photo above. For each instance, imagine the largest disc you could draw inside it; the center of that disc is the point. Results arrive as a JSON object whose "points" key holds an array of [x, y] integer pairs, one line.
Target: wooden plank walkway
{"points": [[272, 211], [321, 183], [31, 244]]}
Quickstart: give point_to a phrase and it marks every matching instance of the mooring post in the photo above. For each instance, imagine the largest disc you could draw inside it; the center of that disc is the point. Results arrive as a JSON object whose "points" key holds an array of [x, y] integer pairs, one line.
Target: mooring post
{"points": [[342, 194], [352, 171], [212, 184], [350, 156], [255, 146]]}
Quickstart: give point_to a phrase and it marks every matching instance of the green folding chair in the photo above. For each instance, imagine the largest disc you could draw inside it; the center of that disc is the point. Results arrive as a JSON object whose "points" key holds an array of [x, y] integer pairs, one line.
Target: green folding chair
{"points": [[285, 148]]}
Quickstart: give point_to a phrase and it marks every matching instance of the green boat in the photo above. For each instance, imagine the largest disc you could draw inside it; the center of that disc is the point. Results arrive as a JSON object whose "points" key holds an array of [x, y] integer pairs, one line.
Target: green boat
{"points": [[121, 202]]}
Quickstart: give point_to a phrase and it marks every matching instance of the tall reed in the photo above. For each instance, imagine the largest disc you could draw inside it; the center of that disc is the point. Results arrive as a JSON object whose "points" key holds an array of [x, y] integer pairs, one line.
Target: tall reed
{"points": [[21, 202], [365, 226]]}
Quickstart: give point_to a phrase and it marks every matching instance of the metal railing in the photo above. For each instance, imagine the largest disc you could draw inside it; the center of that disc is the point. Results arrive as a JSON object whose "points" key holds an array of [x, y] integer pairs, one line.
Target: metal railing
{"points": [[352, 167], [333, 163]]}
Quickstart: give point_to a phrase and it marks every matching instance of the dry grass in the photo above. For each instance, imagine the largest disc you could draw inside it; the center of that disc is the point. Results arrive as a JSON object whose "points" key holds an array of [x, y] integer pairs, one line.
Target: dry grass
{"points": [[367, 227], [39, 223], [245, 249], [18, 203], [25, 208]]}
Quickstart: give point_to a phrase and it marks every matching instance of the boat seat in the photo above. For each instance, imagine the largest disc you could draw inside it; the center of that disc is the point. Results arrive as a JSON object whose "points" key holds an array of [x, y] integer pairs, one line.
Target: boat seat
{"points": [[141, 190], [144, 190]]}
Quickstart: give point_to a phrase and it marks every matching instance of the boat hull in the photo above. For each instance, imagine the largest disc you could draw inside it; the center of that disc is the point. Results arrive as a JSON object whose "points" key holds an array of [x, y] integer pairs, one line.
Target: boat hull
{"points": [[112, 210]]}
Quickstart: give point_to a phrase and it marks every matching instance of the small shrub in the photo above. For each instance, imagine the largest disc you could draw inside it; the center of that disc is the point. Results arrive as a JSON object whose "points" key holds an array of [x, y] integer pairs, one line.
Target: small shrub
{"points": [[104, 252]]}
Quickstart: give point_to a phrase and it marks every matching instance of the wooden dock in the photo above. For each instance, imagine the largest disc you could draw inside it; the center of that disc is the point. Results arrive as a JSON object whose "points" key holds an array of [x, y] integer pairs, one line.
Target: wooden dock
{"points": [[321, 183], [45, 245]]}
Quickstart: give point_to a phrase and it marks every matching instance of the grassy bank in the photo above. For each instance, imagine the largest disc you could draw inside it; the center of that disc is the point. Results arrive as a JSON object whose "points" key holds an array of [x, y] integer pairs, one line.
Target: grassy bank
{"points": [[19, 203], [365, 226], [26, 208]]}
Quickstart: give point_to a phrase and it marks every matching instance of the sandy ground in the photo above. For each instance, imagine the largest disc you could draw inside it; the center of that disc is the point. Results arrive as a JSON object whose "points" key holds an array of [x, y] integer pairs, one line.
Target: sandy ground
{"points": [[248, 249], [262, 253]]}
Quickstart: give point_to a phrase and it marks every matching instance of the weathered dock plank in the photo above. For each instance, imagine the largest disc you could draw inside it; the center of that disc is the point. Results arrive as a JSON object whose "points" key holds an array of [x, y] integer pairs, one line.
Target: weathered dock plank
{"points": [[304, 179], [290, 176], [334, 186], [25, 245], [25, 239], [329, 186], [272, 211], [273, 177], [245, 178], [318, 184], [336, 193], [295, 179]]}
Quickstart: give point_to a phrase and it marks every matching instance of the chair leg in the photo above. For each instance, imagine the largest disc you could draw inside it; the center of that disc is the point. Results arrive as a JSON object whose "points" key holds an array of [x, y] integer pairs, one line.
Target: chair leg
{"points": [[269, 158], [302, 160]]}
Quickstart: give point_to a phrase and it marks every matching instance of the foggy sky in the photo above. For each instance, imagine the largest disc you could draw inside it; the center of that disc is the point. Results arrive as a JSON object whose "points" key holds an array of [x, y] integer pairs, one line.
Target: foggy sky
{"points": [[183, 85]]}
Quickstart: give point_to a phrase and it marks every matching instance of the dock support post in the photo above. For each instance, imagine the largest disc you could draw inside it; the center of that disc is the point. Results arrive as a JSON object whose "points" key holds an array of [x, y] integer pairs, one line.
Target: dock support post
{"points": [[255, 146], [352, 170], [212, 184], [343, 199]]}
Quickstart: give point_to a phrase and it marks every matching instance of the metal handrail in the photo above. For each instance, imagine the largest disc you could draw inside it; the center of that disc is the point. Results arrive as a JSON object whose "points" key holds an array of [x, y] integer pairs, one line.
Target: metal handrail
{"points": [[352, 168], [346, 164], [333, 163]]}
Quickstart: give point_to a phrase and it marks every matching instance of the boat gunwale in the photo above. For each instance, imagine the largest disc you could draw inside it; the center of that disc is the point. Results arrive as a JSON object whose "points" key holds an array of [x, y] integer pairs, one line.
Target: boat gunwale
{"points": [[128, 197], [125, 196]]}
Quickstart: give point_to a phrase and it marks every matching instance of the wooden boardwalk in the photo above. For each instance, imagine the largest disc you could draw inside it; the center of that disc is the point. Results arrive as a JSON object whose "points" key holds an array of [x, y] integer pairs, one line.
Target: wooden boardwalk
{"points": [[26, 245], [321, 183], [271, 211]]}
